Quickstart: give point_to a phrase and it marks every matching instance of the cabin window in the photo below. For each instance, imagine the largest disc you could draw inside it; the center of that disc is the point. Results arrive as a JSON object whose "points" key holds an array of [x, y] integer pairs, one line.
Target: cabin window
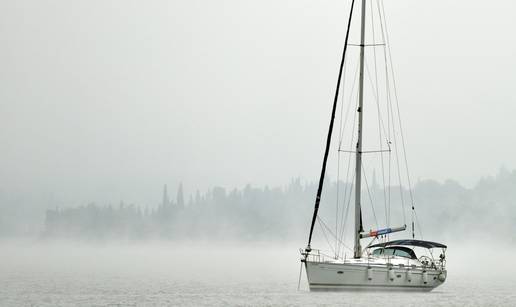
{"points": [[383, 252], [389, 252], [402, 253], [392, 251]]}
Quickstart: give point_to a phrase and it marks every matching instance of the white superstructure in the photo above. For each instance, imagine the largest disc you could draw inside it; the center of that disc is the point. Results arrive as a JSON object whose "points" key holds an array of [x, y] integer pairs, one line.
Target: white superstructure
{"points": [[391, 267]]}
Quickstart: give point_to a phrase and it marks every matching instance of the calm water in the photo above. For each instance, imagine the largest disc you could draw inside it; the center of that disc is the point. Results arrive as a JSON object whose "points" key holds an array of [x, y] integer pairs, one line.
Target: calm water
{"points": [[156, 275]]}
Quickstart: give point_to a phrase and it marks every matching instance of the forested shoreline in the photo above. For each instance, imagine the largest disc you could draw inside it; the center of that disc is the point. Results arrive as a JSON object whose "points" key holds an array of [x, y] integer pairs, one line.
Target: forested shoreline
{"points": [[251, 213]]}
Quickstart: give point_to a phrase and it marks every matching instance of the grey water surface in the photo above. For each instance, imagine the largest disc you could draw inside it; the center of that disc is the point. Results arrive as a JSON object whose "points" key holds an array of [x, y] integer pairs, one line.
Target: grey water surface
{"points": [[210, 275]]}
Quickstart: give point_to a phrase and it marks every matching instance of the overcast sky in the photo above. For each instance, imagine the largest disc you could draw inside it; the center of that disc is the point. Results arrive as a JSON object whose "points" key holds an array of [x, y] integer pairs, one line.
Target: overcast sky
{"points": [[108, 100]]}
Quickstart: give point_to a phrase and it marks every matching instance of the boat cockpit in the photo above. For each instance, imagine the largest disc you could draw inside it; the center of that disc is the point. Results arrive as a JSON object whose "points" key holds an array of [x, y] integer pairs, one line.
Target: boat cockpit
{"points": [[404, 249]]}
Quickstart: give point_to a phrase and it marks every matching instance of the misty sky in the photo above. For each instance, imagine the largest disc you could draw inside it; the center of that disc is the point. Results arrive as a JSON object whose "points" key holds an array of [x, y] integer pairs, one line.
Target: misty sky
{"points": [[108, 100]]}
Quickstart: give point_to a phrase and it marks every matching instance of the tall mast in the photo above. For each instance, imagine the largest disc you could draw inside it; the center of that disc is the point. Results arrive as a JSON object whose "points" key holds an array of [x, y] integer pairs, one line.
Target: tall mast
{"points": [[358, 167], [330, 131]]}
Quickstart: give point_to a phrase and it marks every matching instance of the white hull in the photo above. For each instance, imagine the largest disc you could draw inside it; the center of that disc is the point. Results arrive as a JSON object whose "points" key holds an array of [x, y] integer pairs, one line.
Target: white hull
{"points": [[328, 276]]}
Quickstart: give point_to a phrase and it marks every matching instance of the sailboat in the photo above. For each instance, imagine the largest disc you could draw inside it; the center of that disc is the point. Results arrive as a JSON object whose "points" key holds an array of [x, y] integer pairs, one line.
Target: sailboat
{"points": [[384, 263]]}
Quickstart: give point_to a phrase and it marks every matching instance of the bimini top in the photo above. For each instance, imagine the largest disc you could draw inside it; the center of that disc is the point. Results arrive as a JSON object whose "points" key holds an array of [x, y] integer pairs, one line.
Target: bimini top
{"points": [[419, 243]]}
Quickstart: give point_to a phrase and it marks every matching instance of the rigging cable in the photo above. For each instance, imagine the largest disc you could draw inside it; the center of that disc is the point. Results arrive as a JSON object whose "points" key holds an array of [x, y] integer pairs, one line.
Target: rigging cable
{"points": [[388, 98], [324, 233], [380, 123], [381, 151], [338, 163], [348, 193], [324, 226], [345, 216], [352, 91], [343, 125], [330, 130], [400, 125], [351, 145], [370, 197]]}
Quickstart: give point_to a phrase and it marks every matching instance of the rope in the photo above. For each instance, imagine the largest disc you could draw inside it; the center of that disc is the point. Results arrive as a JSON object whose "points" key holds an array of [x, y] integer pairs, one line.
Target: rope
{"points": [[345, 217], [349, 107], [323, 225], [380, 122], [342, 125], [370, 197], [324, 233], [343, 220], [299, 280], [399, 118], [388, 97]]}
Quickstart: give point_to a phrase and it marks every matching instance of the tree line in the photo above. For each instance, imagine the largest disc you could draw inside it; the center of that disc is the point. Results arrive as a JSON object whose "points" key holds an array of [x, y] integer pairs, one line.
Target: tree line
{"points": [[444, 210]]}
